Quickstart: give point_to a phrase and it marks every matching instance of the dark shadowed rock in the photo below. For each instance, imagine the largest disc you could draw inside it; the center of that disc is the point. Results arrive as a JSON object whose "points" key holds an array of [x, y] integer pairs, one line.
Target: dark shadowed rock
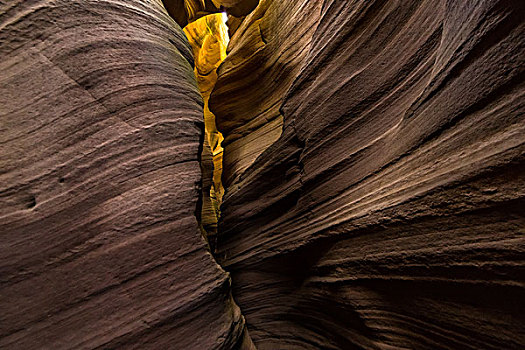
{"points": [[184, 11], [389, 213]]}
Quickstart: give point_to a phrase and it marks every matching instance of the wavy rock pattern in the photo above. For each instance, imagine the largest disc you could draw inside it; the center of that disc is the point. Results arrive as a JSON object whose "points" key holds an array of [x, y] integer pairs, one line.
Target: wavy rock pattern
{"points": [[185, 11], [389, 213], [374, 168], [265, 55], [101, 122]]}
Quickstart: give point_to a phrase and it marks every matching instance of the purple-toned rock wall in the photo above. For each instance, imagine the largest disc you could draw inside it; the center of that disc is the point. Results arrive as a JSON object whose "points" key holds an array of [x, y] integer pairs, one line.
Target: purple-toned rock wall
{"points": [[101, 128]]}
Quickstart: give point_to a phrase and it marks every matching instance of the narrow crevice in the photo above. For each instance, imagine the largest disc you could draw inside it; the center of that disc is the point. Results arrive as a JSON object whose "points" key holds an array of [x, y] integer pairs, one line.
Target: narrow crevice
{"points": [[208, 37], [31, 202]]}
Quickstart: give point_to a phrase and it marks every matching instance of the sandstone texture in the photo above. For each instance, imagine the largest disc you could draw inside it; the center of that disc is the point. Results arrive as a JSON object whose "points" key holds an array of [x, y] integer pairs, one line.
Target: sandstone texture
{"points": [[390, 212], [371, 155], [101, 127], [265, 55]]}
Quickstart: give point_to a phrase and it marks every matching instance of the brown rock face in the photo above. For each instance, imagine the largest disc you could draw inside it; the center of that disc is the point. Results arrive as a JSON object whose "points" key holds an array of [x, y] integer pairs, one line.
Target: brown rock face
{"points": [[265, 55], [101, 124], [374, 168], [185, 11], [389, 213]]}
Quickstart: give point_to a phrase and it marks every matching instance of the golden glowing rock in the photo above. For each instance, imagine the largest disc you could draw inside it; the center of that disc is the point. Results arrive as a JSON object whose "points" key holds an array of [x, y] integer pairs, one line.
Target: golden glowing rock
{"points": [[208, 37]]}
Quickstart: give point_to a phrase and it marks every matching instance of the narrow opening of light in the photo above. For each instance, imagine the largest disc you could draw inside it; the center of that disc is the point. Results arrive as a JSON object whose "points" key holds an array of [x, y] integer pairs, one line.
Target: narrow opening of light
{"points": [[208, 37]]}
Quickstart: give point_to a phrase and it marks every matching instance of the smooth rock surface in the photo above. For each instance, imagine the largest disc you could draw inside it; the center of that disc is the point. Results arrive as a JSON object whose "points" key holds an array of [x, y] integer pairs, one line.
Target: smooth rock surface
{"points": [[390, 212], [101, 124]]}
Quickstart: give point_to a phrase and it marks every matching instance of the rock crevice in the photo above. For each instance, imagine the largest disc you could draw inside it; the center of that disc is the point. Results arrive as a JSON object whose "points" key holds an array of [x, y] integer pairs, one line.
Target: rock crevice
{"points": [[374, 174]]}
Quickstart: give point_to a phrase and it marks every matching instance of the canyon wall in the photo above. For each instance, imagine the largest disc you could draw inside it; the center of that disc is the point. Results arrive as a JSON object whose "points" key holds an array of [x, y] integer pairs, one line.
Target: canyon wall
{"points": [[265, 55], [101, 130], [389, 213], [374, 175]]}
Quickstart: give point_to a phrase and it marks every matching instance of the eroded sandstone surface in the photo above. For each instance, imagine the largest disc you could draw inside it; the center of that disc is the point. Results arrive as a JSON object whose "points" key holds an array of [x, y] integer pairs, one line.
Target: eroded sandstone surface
{"points": [[187, 11], [264, 57], [101, 128], [208, 37], [374, 159], [390, 212]]}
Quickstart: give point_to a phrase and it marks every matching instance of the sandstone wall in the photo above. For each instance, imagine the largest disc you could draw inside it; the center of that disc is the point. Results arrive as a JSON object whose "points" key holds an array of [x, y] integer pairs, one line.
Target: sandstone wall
{"points": [[389, 213], [374, 174], [101, 128], [187, 11], [264, 56]]}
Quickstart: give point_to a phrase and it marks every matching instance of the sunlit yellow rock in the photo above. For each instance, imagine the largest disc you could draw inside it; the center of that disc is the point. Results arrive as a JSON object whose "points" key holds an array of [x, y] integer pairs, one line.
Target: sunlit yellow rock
{"points": [[208, 37]]}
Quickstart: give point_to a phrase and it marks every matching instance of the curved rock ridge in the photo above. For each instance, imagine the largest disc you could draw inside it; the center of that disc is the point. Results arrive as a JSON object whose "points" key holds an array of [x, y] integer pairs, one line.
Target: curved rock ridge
{"points": [[101, 123], [264, 56], [208, 37], [237, 8], [389, 213]]}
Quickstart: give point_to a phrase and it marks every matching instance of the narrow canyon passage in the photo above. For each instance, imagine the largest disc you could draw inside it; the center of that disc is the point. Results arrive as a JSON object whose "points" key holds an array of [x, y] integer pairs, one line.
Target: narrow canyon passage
{"points": [[262, 174], [372, 169], [208, 37]]}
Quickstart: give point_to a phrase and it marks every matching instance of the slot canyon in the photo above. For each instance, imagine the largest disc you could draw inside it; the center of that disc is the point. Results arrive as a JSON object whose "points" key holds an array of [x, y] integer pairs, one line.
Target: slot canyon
{"points": [[262, 174]]}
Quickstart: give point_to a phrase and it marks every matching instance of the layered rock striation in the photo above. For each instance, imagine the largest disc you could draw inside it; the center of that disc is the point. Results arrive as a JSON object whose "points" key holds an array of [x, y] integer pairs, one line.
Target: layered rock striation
{"points": [[265, 55], [389, 213], [374, 159], [101, 129]]}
